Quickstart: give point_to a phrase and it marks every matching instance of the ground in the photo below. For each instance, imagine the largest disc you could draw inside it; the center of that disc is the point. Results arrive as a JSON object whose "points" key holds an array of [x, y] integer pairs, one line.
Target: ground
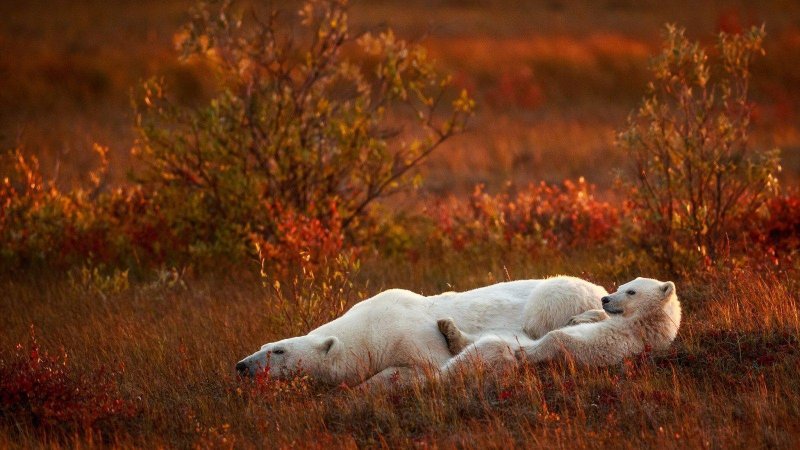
{"points": [[728, 381]]}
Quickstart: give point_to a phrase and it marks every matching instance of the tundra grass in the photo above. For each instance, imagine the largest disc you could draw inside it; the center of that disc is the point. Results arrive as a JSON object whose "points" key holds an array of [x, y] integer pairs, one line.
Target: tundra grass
{"points": [[729, 381]]}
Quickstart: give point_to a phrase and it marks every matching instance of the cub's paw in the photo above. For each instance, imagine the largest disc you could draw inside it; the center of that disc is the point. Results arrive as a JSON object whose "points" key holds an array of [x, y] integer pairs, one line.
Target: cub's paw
{"points": [[591, 316]]}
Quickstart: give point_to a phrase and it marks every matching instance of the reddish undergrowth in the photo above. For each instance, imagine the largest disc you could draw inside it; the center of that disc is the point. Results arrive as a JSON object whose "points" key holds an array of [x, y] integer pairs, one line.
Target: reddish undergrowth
{"points": [[40, 390]]}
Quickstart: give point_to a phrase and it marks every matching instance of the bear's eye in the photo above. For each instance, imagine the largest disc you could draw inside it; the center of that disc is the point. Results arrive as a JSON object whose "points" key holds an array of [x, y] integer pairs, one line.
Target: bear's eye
{"points": [[631, 292], [278, 351]]}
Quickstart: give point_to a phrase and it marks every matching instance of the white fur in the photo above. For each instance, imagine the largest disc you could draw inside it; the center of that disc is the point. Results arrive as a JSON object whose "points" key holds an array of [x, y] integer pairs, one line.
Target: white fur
{"points": [[644, 313], [541, 317], [395, 332]]}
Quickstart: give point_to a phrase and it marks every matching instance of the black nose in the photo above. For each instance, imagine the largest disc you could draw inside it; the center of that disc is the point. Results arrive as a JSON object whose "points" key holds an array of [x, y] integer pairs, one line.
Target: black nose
{"points": [[242, 368], [604, 300]]}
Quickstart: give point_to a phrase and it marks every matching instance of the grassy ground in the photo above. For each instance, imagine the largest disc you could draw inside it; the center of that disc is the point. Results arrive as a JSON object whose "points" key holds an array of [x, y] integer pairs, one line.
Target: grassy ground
{"points": [[729, 381]]}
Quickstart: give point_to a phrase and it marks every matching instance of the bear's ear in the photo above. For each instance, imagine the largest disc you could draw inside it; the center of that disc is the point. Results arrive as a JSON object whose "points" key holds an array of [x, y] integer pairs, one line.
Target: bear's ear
{"points": [[667, 288], [328, 344]]}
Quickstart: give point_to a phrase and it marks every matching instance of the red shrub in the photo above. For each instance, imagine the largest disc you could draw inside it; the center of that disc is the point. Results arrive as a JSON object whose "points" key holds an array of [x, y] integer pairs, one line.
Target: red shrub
{"points": [[41, 225], [40, 390], [540, 217], [137, 227], [779, 233], [300, 241]]}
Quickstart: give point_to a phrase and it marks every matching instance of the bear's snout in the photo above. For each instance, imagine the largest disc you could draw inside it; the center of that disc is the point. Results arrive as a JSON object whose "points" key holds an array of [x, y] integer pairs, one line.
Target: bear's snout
{"points": [[605, 300], [242, 368]]}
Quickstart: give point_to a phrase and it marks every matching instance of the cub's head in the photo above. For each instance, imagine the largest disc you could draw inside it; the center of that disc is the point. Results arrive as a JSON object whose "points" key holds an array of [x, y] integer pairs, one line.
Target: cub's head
{"points": [[285, 358], [642, 296]]}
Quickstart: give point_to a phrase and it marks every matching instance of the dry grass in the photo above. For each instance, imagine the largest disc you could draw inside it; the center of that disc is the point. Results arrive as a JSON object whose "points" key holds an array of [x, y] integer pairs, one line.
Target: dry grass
{"points": [[728, 382]]}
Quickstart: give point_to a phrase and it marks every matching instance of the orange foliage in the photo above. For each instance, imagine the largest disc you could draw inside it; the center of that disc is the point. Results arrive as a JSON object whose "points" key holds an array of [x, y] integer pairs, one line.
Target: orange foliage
{"points": [[539, 217], [41, 225], [300, 240]]}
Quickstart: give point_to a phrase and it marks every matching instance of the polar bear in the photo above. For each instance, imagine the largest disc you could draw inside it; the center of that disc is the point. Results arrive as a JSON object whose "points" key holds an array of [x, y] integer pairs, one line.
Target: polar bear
{"points": [[644, 313], [394, 334]]}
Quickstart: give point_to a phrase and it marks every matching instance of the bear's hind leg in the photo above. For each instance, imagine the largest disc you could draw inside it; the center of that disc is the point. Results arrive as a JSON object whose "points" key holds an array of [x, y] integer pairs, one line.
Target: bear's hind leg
{"points": [[455, 338]]}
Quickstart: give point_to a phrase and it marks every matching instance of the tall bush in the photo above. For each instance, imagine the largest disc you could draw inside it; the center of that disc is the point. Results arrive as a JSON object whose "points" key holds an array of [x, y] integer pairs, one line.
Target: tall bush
{"points": [[695, 182], [311, 120]]}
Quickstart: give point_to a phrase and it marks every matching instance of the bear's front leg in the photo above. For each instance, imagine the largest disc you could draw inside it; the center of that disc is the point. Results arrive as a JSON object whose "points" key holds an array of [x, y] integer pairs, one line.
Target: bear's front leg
{"points": [[392, 377], [552, 345]]}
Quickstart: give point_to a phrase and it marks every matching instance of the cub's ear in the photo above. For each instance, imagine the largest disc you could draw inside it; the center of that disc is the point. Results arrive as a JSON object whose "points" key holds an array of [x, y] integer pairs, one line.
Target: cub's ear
{"points": [[329, 344], [668, 288]]}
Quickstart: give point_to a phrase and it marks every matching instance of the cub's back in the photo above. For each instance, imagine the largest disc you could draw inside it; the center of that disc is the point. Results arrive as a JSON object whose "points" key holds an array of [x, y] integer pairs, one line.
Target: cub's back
{"points": [[555, 300]]}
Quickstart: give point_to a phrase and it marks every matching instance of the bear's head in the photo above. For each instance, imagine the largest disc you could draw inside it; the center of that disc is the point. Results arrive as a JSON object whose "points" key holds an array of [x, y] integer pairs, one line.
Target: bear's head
{"points": [[642, 296], [653, 305], [284, 359]]}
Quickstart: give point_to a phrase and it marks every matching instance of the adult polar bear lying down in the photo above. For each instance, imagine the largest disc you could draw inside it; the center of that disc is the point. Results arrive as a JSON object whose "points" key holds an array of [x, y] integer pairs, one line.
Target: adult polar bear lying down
{"points": [[394, 334], [644, 313]]}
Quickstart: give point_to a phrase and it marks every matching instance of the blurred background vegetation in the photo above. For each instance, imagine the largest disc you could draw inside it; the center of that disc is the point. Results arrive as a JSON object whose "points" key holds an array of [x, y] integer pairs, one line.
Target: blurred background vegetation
{"points": [[152, 134], [553, 79]]}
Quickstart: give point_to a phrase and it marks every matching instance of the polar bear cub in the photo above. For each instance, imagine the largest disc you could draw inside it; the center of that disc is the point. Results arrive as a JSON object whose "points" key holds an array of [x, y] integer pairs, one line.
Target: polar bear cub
{"points": [[644, 313]]}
